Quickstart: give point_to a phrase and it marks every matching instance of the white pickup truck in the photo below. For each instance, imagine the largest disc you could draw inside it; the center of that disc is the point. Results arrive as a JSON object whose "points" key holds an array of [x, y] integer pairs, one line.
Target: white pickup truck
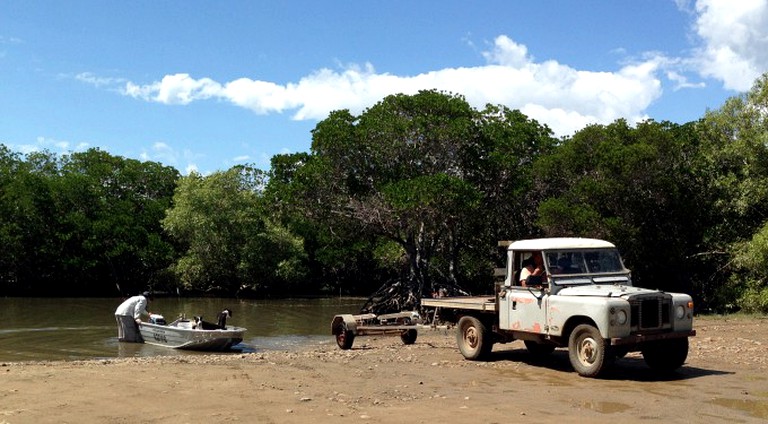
{"points": [[584, 300]]}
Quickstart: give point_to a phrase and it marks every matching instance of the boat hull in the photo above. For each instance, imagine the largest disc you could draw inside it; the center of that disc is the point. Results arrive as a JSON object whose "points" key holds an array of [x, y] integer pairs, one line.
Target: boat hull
{"points": [[179, 337]]}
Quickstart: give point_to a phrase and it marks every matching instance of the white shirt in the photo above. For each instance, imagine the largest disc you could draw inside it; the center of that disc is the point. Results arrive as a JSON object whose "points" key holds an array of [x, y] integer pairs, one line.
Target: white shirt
{"points": [[135, 306], [524, 274]]}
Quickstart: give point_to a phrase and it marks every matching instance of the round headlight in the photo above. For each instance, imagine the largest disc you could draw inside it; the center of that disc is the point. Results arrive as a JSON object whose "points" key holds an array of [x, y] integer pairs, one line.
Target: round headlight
{"points": [[621, 317], [679, 312]]}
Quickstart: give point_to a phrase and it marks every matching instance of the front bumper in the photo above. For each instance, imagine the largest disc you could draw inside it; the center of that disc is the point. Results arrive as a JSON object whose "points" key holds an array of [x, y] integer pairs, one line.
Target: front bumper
{"points": [[642, 338]]}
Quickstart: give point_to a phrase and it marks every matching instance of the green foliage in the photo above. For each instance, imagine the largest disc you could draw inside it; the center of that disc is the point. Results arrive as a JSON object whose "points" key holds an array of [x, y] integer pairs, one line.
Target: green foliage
{"points": [[633, 186], [87, 223], [502, 167], [750, 277], [754, 299], [442, 197], [395, 172], [390, 254], [229, 243], [734, 159], [418, 188]]}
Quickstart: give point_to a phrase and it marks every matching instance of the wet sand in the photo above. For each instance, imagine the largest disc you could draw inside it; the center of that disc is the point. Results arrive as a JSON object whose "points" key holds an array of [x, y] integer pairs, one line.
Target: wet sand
{"points": [[380, 380]]}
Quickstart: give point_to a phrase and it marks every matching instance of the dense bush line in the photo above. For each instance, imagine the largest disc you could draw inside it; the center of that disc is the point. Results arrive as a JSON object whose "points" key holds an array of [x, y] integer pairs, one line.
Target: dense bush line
{"points": [[417, 189]]}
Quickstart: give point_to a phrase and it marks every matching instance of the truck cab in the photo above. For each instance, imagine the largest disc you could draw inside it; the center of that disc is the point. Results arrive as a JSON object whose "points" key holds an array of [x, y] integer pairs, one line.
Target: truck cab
{"points": [[567, 262]]}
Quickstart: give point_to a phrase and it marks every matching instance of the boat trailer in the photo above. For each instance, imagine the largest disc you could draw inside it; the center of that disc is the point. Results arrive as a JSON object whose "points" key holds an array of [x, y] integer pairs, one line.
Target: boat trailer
{"points": [[347, 326]]}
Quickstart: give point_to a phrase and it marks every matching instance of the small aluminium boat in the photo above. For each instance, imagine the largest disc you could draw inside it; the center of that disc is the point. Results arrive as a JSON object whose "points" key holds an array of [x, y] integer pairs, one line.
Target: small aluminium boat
{"points": [[193, 334]]}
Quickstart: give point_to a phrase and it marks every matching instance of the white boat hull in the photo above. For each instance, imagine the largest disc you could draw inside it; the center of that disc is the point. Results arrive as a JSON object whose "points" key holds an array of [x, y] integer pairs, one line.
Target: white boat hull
{"points": [[181, 335]]}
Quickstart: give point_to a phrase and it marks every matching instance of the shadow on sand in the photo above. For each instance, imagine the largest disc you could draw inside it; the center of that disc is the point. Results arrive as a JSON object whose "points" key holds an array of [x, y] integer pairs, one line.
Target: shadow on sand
{"points": [[631, 368]]}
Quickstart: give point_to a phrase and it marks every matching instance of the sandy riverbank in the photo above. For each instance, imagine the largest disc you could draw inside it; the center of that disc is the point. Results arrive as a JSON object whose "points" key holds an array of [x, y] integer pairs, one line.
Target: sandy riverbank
{"points": [[382, 381]]}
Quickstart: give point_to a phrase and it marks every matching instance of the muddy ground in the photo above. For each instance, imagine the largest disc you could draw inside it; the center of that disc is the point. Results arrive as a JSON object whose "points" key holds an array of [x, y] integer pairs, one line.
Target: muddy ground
{"points": [[379, 380]]}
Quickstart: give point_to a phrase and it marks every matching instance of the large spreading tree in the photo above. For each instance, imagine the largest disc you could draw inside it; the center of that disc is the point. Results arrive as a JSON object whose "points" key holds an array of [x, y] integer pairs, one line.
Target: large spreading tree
{"points": [[422, 173]]}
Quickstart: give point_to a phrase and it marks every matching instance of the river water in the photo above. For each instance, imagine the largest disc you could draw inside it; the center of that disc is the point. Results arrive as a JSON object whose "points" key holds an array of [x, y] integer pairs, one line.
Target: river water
{"points": [[81, 328]]}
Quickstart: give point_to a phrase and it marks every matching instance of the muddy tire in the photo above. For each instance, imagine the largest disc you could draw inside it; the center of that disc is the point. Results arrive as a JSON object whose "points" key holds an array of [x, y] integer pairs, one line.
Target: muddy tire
{"points": [[345, 337], [473, 338], [587, 351], [666, 355], [539, 349], [409, 336]]}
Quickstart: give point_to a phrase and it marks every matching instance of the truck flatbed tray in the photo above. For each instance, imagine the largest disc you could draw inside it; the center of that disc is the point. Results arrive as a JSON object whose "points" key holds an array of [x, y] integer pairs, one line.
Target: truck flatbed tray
{"points": [[478, 303]]}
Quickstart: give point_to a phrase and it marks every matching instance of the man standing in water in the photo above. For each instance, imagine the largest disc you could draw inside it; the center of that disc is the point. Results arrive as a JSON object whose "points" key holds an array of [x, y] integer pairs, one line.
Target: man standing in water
{"points": [[128, 316]]}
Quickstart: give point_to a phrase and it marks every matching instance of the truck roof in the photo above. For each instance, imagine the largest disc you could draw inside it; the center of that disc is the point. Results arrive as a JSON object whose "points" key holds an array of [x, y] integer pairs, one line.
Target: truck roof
{"points": [[559, 243]]}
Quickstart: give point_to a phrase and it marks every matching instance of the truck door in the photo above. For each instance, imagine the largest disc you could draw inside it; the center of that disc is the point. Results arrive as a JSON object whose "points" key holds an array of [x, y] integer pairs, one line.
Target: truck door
{"points": [[521, 308], [525, 309]]}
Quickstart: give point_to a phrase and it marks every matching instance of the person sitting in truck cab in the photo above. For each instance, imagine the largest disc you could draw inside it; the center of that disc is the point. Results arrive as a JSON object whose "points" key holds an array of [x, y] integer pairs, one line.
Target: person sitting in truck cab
{"points": [[528, 267], [533, 266]]}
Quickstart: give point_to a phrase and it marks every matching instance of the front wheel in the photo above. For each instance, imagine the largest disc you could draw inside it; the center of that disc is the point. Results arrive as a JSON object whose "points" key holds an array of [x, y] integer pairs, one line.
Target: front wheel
{"points": [[473, 338], [666, 355], [587, 351]]}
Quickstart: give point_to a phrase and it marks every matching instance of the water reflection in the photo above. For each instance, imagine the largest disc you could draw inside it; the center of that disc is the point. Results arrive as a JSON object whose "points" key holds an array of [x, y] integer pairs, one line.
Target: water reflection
{"points": [[55, 329]]}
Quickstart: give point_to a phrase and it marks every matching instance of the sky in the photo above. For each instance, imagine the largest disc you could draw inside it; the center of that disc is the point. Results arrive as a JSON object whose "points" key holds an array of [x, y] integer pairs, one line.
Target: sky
{"points": [[206, 85]]}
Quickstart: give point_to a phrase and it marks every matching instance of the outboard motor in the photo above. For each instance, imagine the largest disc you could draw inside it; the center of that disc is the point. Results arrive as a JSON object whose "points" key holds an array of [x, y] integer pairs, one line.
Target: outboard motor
{"points": [[223, 315], [157, 319]]}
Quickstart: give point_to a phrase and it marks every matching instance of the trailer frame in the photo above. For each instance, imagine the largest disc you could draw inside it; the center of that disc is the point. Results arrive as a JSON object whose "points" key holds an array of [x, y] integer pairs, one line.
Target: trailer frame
{"points": [[346, 327]]}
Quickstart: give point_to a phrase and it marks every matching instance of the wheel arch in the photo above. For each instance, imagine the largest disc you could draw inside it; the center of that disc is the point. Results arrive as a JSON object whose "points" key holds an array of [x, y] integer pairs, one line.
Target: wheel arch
{"points": [[488, 320], [339, 321], [573, 322]]}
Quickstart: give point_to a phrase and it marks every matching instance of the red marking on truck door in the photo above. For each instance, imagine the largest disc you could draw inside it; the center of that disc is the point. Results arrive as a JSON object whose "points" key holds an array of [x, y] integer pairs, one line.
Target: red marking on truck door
{"points": [[524, 300], [518, 326]]}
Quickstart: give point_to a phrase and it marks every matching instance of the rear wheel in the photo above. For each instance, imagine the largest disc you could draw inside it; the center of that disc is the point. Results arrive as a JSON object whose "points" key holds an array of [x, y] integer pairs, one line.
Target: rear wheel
{"points": [[344, 337], [473, 338], [409, 336], [587, 351], [666, 355]]}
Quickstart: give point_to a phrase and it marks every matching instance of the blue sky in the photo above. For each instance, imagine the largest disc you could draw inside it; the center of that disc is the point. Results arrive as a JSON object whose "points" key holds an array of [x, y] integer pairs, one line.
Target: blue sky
{"points": [[205, 85]]}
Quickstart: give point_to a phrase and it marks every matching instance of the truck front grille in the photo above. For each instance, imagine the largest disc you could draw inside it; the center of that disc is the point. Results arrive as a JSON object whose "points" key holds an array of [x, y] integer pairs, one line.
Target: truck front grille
{"points": [[651, 312]]}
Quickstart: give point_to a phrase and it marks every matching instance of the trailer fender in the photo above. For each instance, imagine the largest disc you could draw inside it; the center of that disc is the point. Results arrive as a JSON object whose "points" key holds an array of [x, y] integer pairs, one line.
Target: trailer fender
{"points": [[344, 322]]}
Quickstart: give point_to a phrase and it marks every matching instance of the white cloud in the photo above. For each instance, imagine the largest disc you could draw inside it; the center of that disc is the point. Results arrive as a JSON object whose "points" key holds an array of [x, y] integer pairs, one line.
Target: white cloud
{"points": [[175, 89], [51, 144], [735, 37], [562, 97], [168, 155], [508, 53], [190, 169], [734, 49], [160, 152], [681, 81], [90, 78], [10, 40]]}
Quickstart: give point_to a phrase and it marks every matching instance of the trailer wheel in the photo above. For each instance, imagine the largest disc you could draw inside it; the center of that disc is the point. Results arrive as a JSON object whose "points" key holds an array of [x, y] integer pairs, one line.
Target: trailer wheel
{"points": [[473, 339], [409, 336], [587, 351], [666, 355], [345, 337]]}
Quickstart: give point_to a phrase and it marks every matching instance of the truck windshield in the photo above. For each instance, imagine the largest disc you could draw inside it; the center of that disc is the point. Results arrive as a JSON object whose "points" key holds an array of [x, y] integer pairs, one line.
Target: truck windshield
{"points": [[587, 261]]}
